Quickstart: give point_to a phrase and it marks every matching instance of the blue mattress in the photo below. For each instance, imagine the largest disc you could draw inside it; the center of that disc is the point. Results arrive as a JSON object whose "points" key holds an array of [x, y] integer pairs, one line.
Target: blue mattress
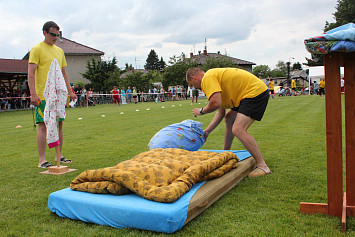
{"points": [[125, 211]]}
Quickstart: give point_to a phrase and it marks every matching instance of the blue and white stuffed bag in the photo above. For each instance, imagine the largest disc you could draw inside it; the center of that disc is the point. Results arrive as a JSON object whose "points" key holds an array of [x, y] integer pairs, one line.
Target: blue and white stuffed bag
{"points": [[187, 135]]}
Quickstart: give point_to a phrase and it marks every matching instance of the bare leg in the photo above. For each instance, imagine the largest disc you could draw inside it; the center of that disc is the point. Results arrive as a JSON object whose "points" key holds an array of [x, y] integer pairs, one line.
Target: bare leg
{"points": [[240, 127], [229, 119], [41, 142]]}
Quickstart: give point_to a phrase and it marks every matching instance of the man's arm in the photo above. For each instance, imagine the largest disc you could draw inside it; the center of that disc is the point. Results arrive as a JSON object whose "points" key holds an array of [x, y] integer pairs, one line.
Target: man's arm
{"points": [[35, 100], [71, 94], [215, 102], [217, 118]]}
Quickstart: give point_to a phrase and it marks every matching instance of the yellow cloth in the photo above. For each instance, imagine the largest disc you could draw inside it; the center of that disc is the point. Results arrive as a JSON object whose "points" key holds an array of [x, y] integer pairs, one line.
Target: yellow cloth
{"points": [[233, 83], [322, 84], [43, 54], [161, 175]]}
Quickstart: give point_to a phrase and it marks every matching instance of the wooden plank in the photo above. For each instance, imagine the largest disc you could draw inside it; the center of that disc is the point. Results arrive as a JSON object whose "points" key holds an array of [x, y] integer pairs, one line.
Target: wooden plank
{"points": [[334, 134], [311, 208], [350, 210], [349, 78], [214, 189]]}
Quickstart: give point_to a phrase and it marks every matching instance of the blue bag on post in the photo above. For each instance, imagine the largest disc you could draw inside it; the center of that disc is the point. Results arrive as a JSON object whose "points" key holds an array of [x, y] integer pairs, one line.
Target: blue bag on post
{"points": [[187, 135]]}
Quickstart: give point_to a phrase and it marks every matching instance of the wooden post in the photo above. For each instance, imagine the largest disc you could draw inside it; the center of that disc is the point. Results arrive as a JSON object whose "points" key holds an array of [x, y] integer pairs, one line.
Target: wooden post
{"points": [[338, 205], [349, 78], [334, 134]]}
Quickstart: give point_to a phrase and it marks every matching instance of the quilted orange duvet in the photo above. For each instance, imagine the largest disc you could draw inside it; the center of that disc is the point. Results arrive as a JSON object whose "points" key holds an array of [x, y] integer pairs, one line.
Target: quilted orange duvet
{"points": [[161, 175]]}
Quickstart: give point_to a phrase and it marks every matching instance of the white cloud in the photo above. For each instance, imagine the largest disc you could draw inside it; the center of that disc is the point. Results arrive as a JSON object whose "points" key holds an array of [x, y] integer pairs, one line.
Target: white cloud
{"points": [[261, 31]]}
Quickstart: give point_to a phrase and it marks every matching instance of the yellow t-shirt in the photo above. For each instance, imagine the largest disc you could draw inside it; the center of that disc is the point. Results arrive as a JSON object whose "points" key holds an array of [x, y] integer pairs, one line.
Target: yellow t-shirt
{"points": [[322, 84], [43, 54], [271, 85], [233, 83], [293, 84]]}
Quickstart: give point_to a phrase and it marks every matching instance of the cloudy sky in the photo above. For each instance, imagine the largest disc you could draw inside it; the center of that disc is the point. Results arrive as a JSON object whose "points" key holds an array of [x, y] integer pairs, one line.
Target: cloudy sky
{"points": [[260, 31]]}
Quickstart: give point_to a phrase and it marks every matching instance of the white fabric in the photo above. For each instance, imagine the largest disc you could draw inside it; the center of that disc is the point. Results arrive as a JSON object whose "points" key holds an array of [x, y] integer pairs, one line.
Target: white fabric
{"points": [[55, 94]]}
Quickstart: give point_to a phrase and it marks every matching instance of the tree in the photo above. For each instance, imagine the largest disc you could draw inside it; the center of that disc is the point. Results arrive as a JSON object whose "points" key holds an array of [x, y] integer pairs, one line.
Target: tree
{"points": [[98, 71], [152, 62], [176, 59], [128, 67], [218, 62], [113, 80], [296, 66], [345, 13], [262, 71], [176, 74], [161, 64], [136, 79], [315, 61]]}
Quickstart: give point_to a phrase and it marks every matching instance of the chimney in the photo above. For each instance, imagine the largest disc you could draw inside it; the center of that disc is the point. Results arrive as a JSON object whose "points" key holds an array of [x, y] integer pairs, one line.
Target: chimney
{"points": [[191, 55], [60, 35], [132, 69], [205, 52]]}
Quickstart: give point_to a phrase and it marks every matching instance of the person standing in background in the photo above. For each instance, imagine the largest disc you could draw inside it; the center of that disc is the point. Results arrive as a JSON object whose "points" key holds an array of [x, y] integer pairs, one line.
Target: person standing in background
{"points": [[41, 57]]}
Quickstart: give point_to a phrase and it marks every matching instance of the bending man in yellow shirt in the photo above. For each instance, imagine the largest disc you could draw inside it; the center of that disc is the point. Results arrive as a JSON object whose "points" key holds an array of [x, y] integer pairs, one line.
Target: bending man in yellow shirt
{"points": [[246, 97]]}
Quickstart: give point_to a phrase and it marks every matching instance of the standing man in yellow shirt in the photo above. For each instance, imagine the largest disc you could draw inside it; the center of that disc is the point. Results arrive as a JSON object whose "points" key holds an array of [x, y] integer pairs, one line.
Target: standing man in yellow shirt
{"points": [[322, 88], [293, 86], [272, 88], [246, 97], [41, 57]]}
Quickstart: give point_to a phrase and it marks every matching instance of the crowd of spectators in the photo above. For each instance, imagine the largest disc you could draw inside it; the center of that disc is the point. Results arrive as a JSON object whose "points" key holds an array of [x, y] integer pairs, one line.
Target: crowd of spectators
{"points": [[17, 99], [20, 99]]}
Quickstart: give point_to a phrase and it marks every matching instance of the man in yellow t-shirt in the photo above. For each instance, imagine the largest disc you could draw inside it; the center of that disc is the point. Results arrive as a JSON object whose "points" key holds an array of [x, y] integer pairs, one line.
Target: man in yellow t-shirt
{"points": [[293, 86], [246, 97], [41, 57], [271, 87], [322, 88]]}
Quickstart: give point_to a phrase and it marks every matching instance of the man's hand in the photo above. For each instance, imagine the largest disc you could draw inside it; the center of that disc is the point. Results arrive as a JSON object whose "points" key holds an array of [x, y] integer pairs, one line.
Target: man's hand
{"points": [[35, 100], [196, 111], [206, 134], [73, 96]]}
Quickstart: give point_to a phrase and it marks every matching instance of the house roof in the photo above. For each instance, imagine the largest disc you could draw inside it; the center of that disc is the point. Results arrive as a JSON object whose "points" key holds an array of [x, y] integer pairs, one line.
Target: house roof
{"points": [[299, 74], [73, 48], [13, 66], [201, 58], [123, 75]]}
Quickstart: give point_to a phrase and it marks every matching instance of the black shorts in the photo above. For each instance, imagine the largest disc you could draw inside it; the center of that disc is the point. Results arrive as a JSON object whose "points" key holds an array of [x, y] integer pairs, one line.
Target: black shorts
{"points": [[254, 107], [321, 91]]}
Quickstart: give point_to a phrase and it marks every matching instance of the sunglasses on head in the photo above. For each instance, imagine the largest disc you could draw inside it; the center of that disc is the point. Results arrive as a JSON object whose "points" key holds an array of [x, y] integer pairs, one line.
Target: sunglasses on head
{"points": [[53, 34]]}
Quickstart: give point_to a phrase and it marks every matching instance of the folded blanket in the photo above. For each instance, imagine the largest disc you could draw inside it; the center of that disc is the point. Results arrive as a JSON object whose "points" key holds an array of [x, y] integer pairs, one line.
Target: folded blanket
{"points": [[340, 39], [161, 175]]}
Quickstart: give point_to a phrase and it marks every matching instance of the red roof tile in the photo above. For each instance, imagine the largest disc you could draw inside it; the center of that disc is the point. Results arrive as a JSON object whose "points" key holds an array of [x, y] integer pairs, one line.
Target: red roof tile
{"points": [[13, 66], [72, 47]]}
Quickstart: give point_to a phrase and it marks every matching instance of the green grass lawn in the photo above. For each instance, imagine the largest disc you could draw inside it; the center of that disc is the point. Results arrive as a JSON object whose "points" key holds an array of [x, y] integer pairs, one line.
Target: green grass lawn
{"points": [[291, 137]]}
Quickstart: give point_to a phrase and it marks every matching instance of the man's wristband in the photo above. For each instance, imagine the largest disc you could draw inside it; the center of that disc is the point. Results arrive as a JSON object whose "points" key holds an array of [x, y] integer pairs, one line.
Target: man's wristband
{"points": [[201, 111]]}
